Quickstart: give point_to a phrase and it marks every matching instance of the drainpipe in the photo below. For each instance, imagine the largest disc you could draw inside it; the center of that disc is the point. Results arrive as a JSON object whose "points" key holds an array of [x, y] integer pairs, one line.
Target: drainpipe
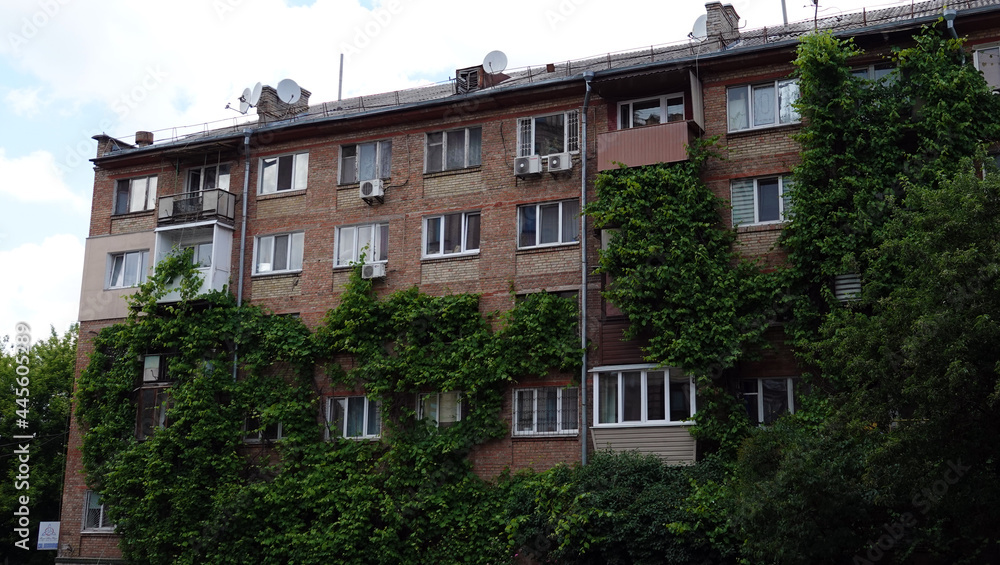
{"points": [[587, 77], [243, 233]]}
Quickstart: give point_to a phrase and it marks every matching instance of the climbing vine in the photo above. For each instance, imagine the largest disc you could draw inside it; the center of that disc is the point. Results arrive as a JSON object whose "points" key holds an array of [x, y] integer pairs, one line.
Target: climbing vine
{"points": [[194, 491]]}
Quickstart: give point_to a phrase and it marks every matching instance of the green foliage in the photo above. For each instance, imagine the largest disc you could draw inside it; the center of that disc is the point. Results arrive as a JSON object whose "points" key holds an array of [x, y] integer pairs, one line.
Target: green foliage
{"points": [[193, 492], [614, 510], [674, 272], [50, 363]]}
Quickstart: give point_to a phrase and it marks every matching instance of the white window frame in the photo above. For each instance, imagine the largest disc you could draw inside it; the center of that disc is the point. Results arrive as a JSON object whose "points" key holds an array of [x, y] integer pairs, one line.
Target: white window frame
{"points": [[785, 182], [375, 250], [383, 162], [977, 55], [750, 97], [617, 373], [663, 109], [790, 383], [141, 274], [299, 174], [526, 133], [104, 524], [295, 242], [562, 224], [469, 160], [222, 177], [459, 403], [871, 72], [441, 231], [344, 402], [146, 185], [563, 426]]}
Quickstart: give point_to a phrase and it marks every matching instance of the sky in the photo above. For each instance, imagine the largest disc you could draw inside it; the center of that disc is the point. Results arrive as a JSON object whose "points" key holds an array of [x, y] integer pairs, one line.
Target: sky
{"points": [[71, 69]]}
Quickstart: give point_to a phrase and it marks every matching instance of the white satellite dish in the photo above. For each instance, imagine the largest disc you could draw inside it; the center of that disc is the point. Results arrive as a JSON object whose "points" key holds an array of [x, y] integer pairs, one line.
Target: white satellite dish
{"points": [[495, 62], [245, 101], [699, 33], [289, 91], [255, 95]]}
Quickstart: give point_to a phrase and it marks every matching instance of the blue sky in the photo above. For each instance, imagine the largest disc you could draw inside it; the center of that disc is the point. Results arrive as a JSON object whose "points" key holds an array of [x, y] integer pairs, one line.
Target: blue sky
{"points": [[70, 69]]}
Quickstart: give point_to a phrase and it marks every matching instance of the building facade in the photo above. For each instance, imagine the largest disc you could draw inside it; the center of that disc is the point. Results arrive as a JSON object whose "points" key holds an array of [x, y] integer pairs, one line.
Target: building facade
{"points": [[476, 186]]}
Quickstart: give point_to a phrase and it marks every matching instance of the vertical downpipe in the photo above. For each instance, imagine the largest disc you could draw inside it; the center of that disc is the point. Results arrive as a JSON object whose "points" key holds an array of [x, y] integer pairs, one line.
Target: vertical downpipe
{"points": [[243, 233], [587, 77]]}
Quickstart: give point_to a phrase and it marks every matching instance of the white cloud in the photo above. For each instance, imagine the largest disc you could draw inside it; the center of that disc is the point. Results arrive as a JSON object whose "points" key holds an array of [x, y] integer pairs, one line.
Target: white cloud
{"points": [[24, 101], [36, 178], [41, 285]]}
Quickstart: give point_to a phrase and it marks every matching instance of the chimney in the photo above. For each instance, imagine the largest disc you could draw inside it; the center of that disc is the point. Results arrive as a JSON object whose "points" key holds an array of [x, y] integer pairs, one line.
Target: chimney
{"points": [[722, 26], [143, 138], [271, 109]]}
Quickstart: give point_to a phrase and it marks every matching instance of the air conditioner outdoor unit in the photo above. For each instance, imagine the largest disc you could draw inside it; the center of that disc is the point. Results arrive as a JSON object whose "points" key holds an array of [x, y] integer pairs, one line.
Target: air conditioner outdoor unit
{"points": [[560, 162], [371, 189], [373, 270], [530, 165]]}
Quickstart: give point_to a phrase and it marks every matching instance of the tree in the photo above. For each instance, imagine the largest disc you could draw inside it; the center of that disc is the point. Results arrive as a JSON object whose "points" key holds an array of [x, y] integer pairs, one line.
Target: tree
{"points": [[50, 364]]}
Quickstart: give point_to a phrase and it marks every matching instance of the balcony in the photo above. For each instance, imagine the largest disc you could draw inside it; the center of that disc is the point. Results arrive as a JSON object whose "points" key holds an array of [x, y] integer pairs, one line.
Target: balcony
{"points": [[635, 147], [211, 244], [188, 207]]}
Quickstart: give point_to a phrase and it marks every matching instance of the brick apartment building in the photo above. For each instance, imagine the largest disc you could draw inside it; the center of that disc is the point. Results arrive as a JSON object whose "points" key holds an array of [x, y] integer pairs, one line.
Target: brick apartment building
{"points": [[472, 186]]}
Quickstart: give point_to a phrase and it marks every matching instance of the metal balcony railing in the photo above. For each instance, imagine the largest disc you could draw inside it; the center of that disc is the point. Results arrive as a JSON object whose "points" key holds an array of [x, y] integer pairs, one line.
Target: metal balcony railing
{"points": [[216, 204]]}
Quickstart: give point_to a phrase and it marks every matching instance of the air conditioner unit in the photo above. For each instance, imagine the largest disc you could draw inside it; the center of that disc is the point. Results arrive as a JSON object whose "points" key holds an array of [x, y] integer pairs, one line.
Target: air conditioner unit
{"points": [[560, 162], [371, 189], [530, 165], [373, 270]]}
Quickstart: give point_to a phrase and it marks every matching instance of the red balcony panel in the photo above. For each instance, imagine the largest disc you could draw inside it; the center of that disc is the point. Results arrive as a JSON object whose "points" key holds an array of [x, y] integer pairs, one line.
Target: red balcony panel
{"points": [[665, 143]]}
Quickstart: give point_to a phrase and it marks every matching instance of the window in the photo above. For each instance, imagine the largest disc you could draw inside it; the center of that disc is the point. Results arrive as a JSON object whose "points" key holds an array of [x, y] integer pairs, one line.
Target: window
{"points": [[546, 411], [370, 240], [94, 515], [552, 223], [208, 178], [154, 396], [256, 431], [201, 254], [762, 105], [280, 253], [353, 417], [988, 63], [651, 111], [643, 396], [127, 269], [365, 161], [451, 234], [761, 201], [545, 135], [455, 149], [135, 195], [284, 173], [442, 409], [767, 399], [878, 73]]}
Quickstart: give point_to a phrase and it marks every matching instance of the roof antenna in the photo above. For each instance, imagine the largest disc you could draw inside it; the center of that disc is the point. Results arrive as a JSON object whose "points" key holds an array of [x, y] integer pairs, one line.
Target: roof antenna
{"points": [[248, 99], [784, 13], [815, 14]]}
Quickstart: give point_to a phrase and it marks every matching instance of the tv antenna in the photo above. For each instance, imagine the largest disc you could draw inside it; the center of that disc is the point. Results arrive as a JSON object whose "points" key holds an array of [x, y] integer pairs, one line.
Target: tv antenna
{"points": [[699, 33], [289, 91], [495, 62], [248, 99]]}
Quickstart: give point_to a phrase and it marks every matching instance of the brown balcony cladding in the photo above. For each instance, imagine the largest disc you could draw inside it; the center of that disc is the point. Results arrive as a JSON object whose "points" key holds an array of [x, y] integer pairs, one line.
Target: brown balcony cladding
{"points": [[214, 204], [634, 147]]}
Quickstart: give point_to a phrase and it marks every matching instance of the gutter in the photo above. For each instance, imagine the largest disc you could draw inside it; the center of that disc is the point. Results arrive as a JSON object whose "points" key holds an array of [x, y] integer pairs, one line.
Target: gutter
{"points": [[587, 77]]}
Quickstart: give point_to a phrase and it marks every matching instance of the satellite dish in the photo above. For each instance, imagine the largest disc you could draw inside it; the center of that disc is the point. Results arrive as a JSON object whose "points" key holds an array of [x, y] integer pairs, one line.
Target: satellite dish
{"points": [[245, 101], [495, 62], [699, 33], [255, 95], [289, 91]]}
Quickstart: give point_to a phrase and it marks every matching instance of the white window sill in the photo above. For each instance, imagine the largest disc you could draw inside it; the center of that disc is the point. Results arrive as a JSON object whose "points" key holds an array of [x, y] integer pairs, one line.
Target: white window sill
{"points": [[763, 128], [276, 273], [348, 267], [290, 192], [463, 255], [545, 435], [549, 246]]}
